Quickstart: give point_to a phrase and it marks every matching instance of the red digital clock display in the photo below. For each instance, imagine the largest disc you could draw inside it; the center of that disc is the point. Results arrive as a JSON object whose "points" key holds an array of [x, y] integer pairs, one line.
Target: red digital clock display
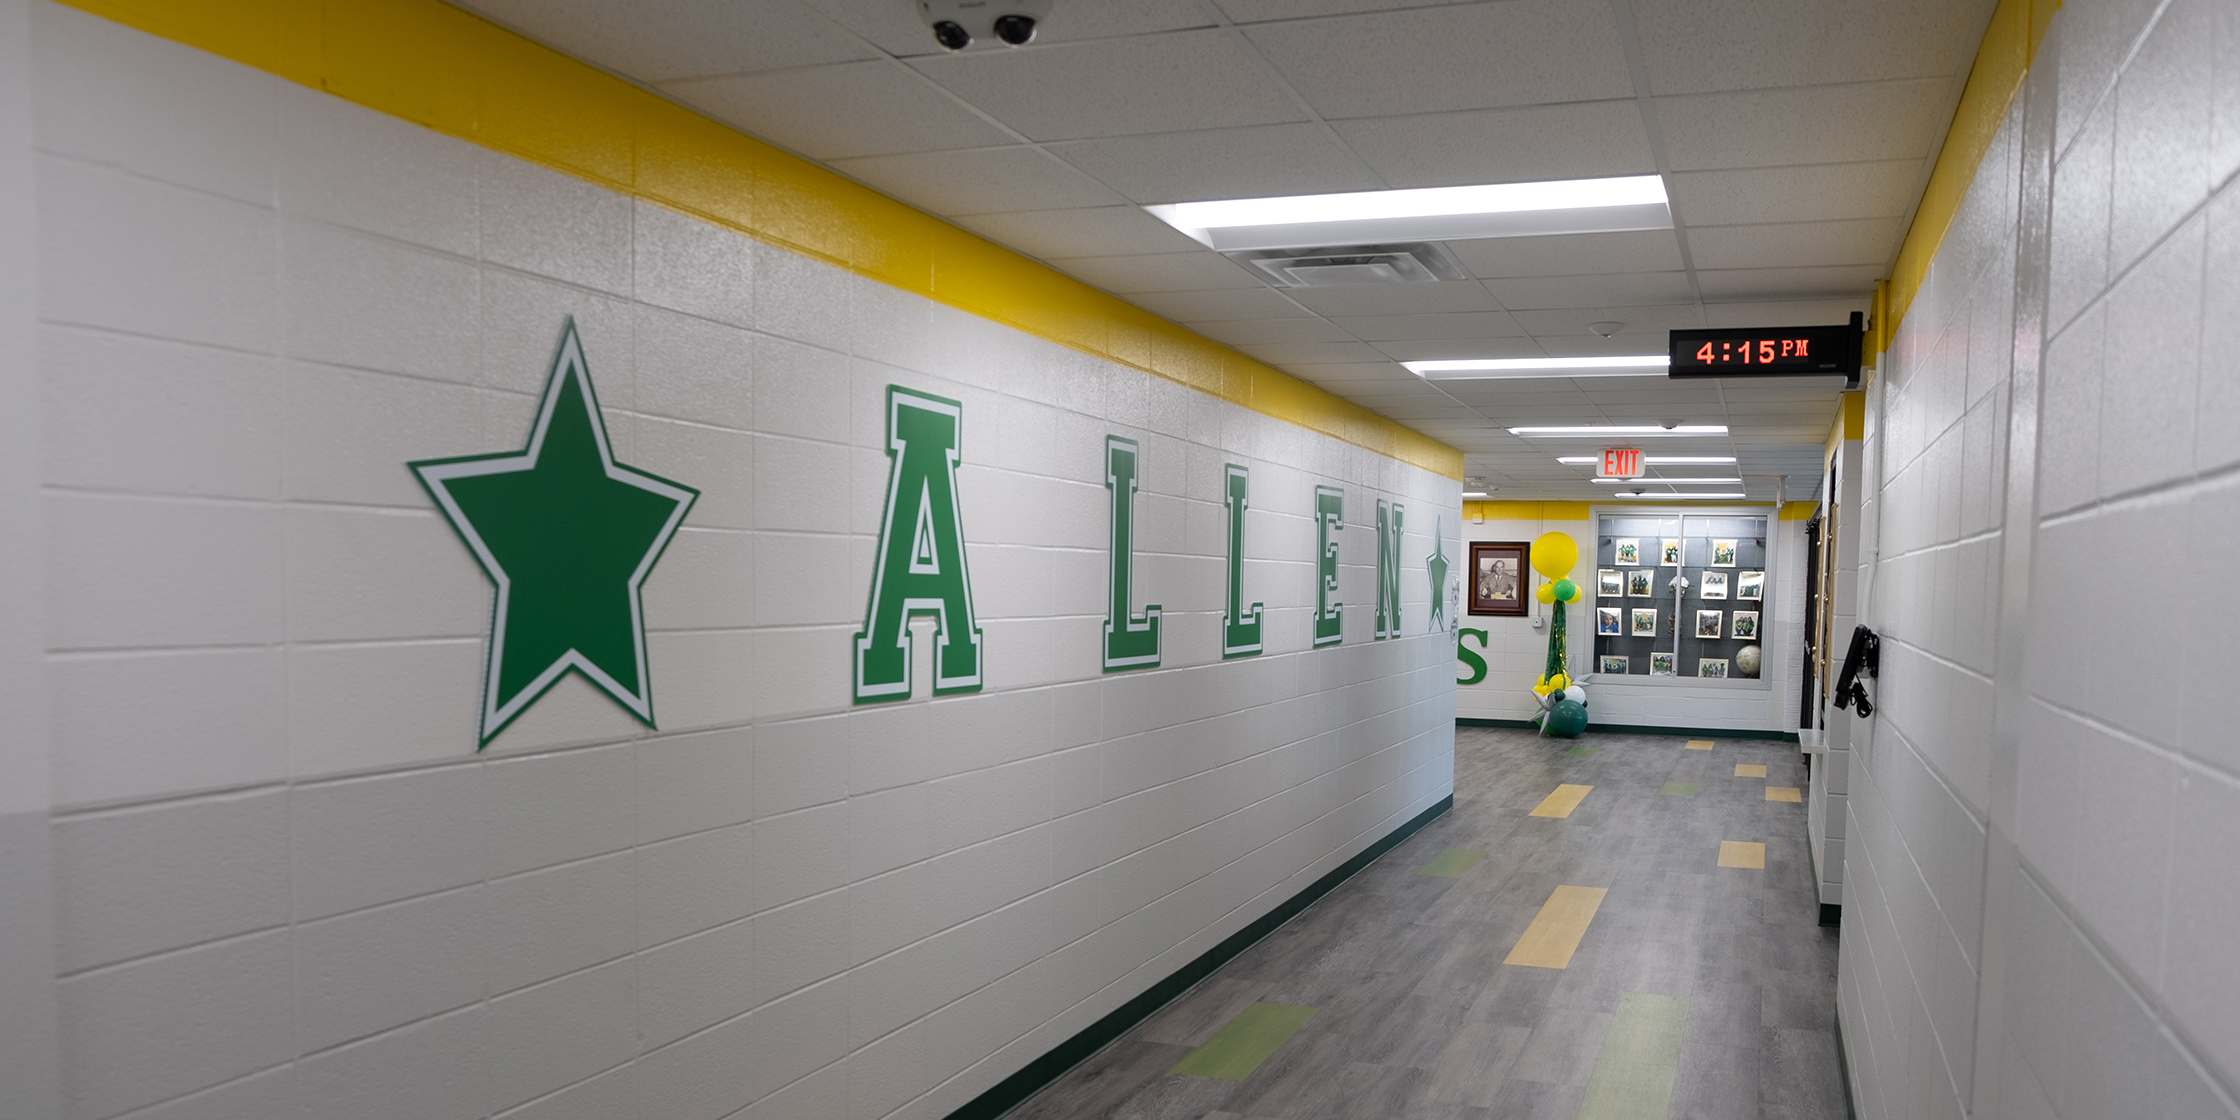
{"points": [[1768, 351]]}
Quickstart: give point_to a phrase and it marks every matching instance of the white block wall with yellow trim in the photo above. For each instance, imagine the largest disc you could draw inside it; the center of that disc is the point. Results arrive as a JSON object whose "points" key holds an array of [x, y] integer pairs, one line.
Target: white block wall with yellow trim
{"points": [[285, 880]]}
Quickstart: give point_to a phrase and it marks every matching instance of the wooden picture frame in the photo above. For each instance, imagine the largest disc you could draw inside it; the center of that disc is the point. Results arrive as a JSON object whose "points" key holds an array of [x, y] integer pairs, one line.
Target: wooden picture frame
{"points": [[1500, 578]]}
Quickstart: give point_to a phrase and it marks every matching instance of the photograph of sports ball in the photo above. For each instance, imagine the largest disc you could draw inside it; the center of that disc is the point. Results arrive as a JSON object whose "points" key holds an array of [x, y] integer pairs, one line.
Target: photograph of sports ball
{"points": [[1710, 624], [1644, 622], [1722, 554], [1671, 553], [1609, 583], [1609, 620], [1641, 584], [1663, 665], [1611, 663], [1629, 551], [1714, 585], [1712, 667], [1750, 585], [1744, 625]]}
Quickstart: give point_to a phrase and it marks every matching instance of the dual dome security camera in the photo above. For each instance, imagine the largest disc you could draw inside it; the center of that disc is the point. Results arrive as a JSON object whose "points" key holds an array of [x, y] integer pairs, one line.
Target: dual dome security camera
{"points": [[957, 23]]}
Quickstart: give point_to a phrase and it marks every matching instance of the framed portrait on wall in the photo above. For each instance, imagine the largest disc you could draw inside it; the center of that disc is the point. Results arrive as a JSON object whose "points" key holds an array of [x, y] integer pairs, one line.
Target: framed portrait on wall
{"points": [[1497, 577], [1714, 667], [1609, 583], [1609, 621], [1628, 551], [1671, 553], [1744, 624], [1722, 553], [1750, 585], [1641, 584], [1714, 585], [1610, 663], [1663, 665], [1644, 622], [1711, 624]]}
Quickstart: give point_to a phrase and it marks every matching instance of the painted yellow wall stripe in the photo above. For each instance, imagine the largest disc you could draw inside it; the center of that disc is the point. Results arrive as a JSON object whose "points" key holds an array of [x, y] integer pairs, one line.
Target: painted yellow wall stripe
{"points": [[1555, 932], [456, 73], [1562, 801]]}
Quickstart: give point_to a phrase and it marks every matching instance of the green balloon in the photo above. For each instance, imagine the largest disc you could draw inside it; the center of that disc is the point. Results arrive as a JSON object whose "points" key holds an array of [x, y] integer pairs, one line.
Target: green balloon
{"points": [[1566, 591], [1565, 720]]}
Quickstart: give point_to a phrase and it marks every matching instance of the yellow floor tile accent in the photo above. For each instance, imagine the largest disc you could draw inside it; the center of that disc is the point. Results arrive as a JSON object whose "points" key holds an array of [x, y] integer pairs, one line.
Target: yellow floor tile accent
{"points": [[1783, 793], [1699, 744], [1749, 770], [1554, 935], [1562, 801], [1742, 853]]}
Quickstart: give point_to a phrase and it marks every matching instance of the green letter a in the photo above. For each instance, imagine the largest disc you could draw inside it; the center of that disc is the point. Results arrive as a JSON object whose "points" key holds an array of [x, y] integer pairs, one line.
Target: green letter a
{"points": [[1240, 628], [919, 568], [1388, 570], [1131, 641]]}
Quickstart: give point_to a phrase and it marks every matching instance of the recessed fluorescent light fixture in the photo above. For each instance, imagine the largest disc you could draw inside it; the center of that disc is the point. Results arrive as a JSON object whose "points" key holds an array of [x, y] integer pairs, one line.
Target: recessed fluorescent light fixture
{"points": [[1669, 481], [1652, 460], [1640, 365], [1474, 494], [1428, 214], [1623, 430], [1645, 496]]}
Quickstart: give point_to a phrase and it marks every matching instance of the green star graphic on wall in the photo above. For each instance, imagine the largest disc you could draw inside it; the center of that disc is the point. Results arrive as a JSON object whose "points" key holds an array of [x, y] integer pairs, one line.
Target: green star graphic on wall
{"points": [[568, 536], [1435, 566]]}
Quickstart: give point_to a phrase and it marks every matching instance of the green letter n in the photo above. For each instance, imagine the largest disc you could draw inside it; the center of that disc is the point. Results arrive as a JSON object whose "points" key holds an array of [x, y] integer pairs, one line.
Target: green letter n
{"points": [[1240, 628], [1388, 570], [1131, 641], [919, 568], [1329, 518]]}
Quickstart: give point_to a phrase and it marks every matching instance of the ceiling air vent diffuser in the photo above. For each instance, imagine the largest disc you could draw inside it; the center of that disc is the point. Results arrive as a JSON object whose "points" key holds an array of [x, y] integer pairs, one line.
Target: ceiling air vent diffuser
{"points": [[1330, 266]]}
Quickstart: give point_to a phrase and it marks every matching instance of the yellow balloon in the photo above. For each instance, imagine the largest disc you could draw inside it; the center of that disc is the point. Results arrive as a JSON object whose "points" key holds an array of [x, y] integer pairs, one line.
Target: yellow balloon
{"points": [[1554, 555], [1558, 683], [1546, 593]]}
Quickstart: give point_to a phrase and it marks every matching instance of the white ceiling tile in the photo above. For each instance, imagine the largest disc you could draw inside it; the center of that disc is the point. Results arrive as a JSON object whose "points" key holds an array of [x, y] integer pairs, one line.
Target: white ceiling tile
{"points": [[895, 26], [1396, 299], [1782, 313], [1250, 162], [1096, 232], [1574, 320], [1311, 353], [1795, 244], [1590, 345], [1461, 324], [1247, 332], [1448, 349], [848, 109], [1219, 304], [1591, 291], [1880, 189], [1159, 272], [1811, 124], [657, 40], [978, 180], [1353, 373], [1255, 11], [1700, 46], [1113, 87], [1424, 60], [1575, 254], [1582, 140], [1777, 283]]}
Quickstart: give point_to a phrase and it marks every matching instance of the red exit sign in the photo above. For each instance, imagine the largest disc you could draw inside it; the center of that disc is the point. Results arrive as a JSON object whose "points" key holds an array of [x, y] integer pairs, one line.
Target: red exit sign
{"points": [[1619, 462]]}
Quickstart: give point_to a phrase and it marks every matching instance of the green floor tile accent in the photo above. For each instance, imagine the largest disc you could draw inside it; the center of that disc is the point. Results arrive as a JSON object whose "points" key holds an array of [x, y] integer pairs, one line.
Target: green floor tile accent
{"points": [[1679, 789], [1452, 863], [1238, 1048], [1579, 752], [1639, 1060]]}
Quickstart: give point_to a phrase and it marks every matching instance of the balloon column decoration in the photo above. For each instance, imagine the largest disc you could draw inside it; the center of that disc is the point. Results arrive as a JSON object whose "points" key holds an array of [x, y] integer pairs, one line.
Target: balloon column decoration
{"points": [[1563, 705]]}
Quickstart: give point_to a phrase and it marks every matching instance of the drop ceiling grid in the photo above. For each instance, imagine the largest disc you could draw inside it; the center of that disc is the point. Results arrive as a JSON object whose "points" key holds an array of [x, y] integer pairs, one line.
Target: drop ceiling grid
{"points": [[1796, 136]]}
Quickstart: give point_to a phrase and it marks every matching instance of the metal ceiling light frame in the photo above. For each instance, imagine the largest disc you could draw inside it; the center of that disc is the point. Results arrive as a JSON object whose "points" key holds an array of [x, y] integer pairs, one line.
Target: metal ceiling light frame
{"points": [[1633, 202]]}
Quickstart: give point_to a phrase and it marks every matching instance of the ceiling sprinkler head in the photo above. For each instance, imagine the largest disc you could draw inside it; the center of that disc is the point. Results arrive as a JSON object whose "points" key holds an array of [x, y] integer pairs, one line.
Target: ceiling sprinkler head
{"points": [[1605, 330], [1668, 425]]}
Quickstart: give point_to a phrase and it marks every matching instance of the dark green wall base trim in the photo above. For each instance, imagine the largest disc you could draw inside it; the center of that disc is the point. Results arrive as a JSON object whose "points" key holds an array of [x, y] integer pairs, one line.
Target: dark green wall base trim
{"points": [[1638, 729], [1014, 1090], [1831, 913]]}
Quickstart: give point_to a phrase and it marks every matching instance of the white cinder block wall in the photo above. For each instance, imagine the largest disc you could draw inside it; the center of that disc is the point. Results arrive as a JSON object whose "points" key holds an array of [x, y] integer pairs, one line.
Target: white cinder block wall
{"points": [[284, 878], [2041, 889]]}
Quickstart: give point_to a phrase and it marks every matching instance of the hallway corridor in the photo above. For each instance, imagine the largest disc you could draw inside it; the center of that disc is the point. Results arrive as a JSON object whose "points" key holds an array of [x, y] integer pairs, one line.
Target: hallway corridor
{"points": [[1713, 985]]}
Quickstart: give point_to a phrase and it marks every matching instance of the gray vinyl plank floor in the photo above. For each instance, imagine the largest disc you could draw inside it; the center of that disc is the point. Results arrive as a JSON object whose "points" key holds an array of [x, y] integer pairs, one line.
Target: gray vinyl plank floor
{"points": [[1418, 1018]]}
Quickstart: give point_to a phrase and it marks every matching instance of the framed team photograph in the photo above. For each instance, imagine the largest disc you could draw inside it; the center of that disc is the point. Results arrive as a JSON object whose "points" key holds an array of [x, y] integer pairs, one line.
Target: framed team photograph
{"points": [[1629, 551], [1722, 554], [1663, 665], [1610, 621], [1610, 663], [1641, 584], [1644, 622], [1609, 583], [1671, 553], [1714, 585], [1497, 577], [1750, 585], [1715, 667], [1743, 624], [1711, 624]]}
